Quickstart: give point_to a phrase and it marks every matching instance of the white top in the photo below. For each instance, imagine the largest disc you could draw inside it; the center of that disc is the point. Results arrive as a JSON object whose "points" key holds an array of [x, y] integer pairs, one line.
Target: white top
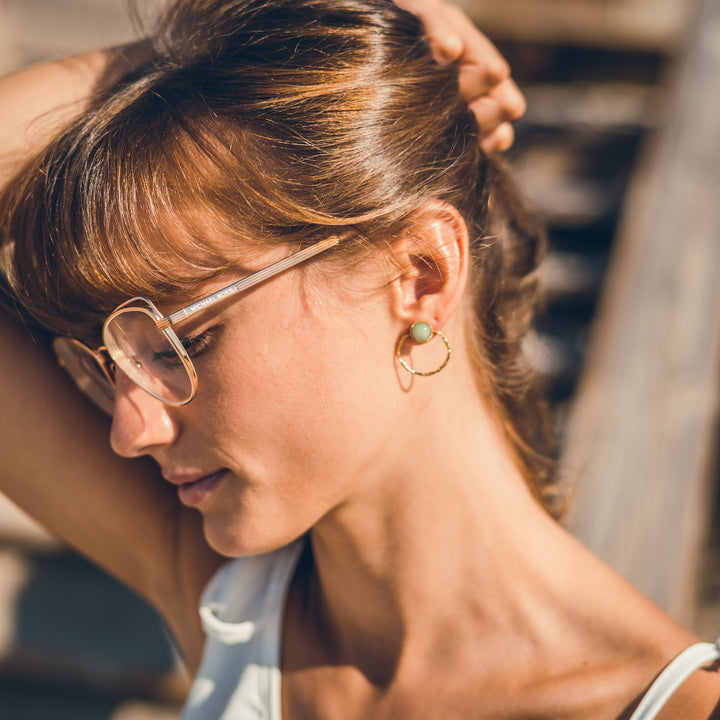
{"points": [[242, 612]]}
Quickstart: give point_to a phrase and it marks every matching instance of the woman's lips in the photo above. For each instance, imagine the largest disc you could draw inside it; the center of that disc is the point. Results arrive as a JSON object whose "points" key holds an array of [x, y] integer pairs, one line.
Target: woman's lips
{"points": [[196, 491]]}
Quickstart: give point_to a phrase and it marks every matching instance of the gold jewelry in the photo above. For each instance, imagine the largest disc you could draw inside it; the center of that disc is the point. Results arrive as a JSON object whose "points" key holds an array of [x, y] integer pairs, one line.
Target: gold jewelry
{"points": [[421, 333]]}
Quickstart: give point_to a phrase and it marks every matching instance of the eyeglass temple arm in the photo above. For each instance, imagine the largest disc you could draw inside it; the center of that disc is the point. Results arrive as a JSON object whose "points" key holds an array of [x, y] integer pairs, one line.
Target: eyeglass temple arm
{"points": [[250, 281]]}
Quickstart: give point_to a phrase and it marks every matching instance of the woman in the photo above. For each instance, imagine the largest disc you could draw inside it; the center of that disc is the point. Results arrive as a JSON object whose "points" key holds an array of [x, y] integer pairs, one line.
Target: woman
{"points": [[353, 424]]}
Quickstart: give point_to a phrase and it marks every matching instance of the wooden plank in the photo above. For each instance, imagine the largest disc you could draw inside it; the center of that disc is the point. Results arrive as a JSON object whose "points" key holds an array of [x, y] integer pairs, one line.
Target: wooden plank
{"points": [[8, 32], [65, 622], [40, 30], [642, 431], [27, 701], [637, 24], [134, 710], [602, 107]]}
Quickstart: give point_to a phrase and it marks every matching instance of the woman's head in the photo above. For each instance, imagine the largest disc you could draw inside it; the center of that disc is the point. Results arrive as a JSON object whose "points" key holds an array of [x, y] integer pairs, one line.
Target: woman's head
{"points": [[261, 121], [273, 122]]}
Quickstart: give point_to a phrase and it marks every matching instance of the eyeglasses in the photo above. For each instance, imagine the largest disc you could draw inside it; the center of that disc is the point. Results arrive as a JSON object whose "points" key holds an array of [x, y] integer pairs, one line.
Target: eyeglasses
{"points": [[141, 342]]}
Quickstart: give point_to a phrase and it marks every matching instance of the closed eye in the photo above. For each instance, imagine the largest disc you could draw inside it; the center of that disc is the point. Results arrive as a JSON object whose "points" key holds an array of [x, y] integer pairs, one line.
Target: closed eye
{"points": [[198, 344], [194, 345]]}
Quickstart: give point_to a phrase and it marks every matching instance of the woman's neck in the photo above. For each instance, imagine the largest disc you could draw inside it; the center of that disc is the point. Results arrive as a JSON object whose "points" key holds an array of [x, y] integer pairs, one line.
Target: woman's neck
{"points": [[446, 576], [439, 547]]}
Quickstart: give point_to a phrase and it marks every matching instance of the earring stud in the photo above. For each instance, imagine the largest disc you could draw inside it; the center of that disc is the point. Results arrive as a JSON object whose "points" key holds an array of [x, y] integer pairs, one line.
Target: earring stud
{"points": [[421, 333]]}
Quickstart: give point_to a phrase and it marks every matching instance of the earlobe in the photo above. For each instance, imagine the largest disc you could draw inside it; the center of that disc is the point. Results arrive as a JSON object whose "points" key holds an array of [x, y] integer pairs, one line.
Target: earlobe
{"points": [[433, 257]]}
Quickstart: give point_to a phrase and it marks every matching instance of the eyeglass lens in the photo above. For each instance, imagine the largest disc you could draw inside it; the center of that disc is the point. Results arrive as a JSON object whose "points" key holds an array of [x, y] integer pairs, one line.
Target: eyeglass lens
{"points": [[83, 368], [147, 356]]}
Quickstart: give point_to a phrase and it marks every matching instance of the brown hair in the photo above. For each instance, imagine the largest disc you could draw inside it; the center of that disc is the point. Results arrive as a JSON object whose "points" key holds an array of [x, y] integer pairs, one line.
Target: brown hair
{"points": [[285, 120]]}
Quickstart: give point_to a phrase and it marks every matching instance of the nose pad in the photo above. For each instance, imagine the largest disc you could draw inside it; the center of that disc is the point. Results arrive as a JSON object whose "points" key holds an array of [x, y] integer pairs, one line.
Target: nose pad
{"points": [[140, 422]]}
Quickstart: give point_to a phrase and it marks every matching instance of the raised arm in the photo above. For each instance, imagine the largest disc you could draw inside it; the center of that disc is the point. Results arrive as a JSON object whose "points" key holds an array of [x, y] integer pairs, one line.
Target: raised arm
{"points": [[41, 100], [57, 462], [58, 466]]}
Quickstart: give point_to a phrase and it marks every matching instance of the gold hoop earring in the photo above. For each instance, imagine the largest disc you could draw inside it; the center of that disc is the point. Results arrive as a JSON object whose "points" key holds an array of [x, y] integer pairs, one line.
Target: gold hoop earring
{"points": [[421, 333]]}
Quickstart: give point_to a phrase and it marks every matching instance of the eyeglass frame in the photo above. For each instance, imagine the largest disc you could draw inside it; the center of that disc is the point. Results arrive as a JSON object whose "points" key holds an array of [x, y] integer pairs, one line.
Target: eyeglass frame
{"points": [[107, 364]]}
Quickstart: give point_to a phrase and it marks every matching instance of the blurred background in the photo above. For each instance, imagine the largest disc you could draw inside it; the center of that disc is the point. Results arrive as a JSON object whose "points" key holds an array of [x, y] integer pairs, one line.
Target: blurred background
{"points": [[620, 154]]}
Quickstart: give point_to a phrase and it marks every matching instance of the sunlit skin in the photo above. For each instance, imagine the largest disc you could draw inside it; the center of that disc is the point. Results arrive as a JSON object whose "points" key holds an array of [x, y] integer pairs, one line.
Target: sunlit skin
{"points": [[285, 391], [299, 399], [144, 537], [440, 587], [397, 480]]}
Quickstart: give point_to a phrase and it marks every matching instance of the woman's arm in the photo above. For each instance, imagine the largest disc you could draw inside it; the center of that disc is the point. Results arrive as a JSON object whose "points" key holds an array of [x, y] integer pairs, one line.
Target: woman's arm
{"points": [[39, 101], [57, 462], [57, 465]]}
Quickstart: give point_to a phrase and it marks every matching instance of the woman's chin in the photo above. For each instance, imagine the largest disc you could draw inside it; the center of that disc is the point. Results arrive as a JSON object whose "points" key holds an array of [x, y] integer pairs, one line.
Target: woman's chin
{"points": [[230, 541]]}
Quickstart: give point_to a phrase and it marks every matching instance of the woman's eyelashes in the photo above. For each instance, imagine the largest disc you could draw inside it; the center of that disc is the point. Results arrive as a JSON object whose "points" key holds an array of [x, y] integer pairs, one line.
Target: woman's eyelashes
{"points": [[196, 345]]}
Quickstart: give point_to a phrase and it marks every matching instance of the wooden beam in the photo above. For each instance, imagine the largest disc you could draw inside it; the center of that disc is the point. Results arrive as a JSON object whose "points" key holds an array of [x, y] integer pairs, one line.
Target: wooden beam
{"points": [[642, 433], [654, 25], [40, 30]]}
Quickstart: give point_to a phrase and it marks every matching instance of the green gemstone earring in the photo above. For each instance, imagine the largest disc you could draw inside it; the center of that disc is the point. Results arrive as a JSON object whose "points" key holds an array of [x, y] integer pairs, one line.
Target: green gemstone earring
{"points": [[421, 333]]}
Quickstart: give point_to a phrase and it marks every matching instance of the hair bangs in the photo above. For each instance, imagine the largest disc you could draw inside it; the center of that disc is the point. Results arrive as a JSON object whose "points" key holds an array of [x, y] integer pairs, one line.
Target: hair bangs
{"points": [[107, 214]]}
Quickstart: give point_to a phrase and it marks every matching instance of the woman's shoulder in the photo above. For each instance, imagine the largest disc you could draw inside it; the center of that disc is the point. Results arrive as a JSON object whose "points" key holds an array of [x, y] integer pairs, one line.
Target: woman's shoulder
{"points": [[673, 675], [631, 661], [683, 684], [698, 698], [688, 687], [680, 676], [636, 655]]}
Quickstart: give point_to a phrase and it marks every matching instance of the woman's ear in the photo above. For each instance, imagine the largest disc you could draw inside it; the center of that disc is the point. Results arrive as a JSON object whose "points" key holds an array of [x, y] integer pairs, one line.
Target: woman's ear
{"points": [[433, 257]]}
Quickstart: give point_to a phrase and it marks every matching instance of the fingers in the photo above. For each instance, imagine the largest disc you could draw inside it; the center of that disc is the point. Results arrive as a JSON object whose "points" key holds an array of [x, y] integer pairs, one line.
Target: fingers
{"points": [[483, 73], [479, 56], [504, 96], [446, 43], [453, 37], [498, 141], [494, 112], [508, 96], [496, 131]]}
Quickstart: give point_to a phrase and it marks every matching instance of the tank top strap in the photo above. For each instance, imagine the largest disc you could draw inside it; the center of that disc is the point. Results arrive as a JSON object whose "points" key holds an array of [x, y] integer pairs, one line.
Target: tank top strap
{"points": [[674, 675]]}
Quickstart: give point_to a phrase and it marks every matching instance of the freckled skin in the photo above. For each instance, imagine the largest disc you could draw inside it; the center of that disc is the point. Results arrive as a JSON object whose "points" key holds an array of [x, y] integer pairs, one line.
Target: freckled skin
{"points": [[427, 544], [279, 407]]}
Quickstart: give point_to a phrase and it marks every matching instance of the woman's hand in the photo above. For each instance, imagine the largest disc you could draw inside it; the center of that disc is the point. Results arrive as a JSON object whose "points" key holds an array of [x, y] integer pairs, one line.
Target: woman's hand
{"points": [[485, 80]]}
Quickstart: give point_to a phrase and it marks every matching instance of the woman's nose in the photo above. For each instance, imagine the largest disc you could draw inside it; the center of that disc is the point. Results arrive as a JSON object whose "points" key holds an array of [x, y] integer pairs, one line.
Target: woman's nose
{"points": [[140, 422]]}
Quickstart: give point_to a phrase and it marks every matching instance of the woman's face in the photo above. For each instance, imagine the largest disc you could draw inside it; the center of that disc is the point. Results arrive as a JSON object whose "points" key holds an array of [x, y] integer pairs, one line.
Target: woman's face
{"points": [[297, 398]]}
